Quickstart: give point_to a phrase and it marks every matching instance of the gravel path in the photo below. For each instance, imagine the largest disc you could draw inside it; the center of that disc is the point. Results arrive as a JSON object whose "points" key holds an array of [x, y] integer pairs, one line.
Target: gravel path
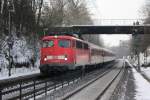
{"points": [[130, 87]]}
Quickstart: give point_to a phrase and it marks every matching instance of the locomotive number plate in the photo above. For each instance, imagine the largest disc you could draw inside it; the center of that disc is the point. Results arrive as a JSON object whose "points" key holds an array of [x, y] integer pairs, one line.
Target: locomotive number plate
{"points": [[49, 57], [55, 57], [61, 57]]}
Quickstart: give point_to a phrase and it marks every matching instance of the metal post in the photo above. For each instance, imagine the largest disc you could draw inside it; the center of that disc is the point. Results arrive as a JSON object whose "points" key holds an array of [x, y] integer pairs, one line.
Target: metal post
{"points": [[46, 88], [20, 91], [83, 71], [34, 90], [103, 58], [0, 93]]}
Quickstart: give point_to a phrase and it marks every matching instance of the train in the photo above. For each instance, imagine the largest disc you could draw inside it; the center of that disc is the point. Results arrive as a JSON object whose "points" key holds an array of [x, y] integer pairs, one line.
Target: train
{"points": [[60, 53]]}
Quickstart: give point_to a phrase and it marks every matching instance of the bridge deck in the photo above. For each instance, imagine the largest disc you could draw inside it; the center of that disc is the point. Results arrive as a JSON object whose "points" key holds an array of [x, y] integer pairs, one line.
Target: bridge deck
{"points": [[112, 29]]}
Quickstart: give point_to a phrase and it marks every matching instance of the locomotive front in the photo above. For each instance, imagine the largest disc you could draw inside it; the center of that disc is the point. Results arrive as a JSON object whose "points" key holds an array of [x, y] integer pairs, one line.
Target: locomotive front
{"points": [[56, 54]]}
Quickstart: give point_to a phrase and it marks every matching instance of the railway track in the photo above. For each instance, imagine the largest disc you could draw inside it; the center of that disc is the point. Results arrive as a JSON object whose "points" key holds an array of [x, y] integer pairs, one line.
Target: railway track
{"points": [[84, 92], [31, 86], [117, 92]]}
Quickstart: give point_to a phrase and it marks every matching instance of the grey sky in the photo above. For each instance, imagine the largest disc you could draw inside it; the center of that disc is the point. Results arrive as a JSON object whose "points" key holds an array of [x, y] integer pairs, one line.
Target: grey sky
{"points": [[117, 9]]}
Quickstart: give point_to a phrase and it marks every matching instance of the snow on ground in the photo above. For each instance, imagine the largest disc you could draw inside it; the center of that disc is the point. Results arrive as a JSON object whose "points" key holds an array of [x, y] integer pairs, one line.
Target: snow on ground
{"points": [[22, 53], [142, 86], [146, 71], [18, 72]]}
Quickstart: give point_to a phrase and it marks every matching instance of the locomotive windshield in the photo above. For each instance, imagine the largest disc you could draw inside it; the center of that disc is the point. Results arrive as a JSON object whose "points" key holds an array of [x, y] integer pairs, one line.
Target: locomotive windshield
{"points": [[49, 43], [64, 43]]}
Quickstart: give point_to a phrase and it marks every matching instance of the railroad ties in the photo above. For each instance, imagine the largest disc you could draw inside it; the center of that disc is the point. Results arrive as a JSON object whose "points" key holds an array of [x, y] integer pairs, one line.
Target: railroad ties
{"points": [[101, 85]]}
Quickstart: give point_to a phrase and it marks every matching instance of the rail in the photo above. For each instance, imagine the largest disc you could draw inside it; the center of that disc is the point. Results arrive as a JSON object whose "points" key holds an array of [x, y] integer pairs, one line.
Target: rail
{"points": [[111, 82], [119, 87], [92, 81]]}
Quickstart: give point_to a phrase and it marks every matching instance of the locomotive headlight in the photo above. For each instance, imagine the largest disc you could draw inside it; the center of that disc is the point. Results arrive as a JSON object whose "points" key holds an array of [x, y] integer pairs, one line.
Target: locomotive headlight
{"points": [[45, 59], [66, 58]]}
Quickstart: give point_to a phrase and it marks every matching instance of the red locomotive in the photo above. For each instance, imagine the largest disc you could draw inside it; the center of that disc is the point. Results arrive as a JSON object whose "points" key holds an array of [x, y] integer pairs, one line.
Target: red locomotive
{"points": [[61, 53]]}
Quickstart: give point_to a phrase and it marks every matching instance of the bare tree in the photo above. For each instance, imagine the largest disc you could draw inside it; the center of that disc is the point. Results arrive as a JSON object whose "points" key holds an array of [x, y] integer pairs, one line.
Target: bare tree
{"points": [[39, 13]]}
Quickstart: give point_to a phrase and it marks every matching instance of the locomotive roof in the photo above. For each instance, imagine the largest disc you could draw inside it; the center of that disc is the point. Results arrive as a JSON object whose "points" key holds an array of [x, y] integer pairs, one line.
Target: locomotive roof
{"points": [[61, 37]]}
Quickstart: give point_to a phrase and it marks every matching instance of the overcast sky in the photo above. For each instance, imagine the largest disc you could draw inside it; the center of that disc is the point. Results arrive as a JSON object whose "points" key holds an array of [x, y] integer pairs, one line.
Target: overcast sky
{"points": [[116, 9], [114, 40]]}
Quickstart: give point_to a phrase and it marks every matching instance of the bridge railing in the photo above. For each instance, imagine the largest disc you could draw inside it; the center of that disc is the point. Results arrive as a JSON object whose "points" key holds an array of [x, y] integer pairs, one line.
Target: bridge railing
{"points": [[117, 21]]}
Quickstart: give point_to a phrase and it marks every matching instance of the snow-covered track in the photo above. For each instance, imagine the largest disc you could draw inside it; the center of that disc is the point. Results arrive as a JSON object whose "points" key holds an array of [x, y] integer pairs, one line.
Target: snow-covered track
{"points": [[120, 85], [81, 92]]}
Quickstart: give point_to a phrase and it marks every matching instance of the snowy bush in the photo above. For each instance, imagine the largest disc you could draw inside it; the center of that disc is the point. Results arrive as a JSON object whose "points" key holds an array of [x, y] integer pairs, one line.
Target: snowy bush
{"points": [[22, 55], [3, 62]]}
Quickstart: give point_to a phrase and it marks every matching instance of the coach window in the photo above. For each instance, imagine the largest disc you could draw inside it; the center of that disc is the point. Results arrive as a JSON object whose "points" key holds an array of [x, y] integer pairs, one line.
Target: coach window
{"points": [[73, 44], [86, 46], [79, 44], [64, 43]]}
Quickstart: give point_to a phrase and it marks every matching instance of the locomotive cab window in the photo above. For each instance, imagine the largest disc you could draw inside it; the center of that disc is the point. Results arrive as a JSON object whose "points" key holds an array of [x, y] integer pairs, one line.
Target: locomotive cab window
{"points": [[48, 44], [64, 43]]}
